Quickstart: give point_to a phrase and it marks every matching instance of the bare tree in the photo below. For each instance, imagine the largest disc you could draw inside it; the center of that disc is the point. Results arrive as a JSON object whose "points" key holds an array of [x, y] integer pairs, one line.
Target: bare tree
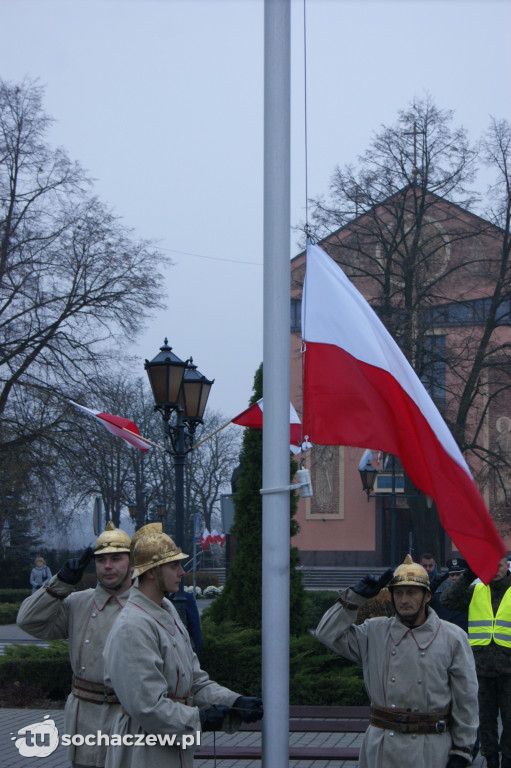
{"points": [[71, 275], [72, 279]]}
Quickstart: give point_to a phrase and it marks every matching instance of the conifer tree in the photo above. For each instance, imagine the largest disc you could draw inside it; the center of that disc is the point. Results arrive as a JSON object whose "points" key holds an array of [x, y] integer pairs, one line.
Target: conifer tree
{"points": [[242, 594]]}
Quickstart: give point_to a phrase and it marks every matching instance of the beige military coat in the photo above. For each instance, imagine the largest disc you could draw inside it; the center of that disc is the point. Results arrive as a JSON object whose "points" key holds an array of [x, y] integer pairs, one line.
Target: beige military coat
{"points": [[426, 669], [85, 619], [150, 663]]}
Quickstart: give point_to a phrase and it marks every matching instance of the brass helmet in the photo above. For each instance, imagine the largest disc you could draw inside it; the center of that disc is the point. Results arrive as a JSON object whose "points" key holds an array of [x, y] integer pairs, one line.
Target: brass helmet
{"points": [[143, 531], [410, 574], [154, 548], [112, 540]]}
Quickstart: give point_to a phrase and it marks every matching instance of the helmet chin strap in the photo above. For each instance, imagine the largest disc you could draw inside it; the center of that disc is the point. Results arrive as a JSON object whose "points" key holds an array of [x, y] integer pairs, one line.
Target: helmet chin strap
{"points": [[160, 579]]}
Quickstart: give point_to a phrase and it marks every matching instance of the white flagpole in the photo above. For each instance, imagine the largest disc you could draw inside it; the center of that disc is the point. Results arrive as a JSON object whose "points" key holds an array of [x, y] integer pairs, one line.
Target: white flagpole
{"points": [[275, 587]]}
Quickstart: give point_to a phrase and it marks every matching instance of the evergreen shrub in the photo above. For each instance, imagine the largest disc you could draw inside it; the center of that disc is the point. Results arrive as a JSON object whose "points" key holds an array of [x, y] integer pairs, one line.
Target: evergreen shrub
{"points": [[14, 595], [8, 612], [232, 656]]}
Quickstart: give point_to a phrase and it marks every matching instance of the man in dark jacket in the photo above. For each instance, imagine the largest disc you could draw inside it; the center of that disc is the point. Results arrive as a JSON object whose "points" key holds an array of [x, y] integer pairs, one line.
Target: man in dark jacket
{"points": [[456, 566], [489, 630]]}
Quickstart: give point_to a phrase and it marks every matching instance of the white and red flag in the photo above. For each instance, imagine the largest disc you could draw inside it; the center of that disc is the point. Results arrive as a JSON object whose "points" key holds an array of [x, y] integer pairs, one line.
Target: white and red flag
{"points": [[253, 417], [372, 396], [118, 426], [205, 539]]}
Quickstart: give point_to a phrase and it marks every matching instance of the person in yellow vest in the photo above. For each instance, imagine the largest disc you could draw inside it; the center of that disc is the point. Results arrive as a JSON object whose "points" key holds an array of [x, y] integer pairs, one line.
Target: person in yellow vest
{"points": [[489, 633], [58, 611]]}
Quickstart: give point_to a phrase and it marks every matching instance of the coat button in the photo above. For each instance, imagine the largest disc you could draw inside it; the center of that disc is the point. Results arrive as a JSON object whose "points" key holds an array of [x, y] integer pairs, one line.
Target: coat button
{"points": [[87, 642], [94, 615], [422, 653], [393, 706], [391, 733], [419, 682], [392, 679], [414, 735], [82, 669], [393, 653]]}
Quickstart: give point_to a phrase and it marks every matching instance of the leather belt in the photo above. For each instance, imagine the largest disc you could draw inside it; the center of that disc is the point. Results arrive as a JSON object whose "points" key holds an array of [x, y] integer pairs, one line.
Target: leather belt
{"points": [[405, 721], [187, 700], [95, 693]]}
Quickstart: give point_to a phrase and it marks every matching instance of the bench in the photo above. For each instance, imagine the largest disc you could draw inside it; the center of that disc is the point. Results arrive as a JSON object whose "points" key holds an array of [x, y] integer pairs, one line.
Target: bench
{"points": [[302, 719]]}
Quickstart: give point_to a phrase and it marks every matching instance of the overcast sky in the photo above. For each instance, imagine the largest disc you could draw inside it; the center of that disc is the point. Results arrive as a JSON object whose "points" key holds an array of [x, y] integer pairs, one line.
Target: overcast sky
{"points": [[162, 102]]}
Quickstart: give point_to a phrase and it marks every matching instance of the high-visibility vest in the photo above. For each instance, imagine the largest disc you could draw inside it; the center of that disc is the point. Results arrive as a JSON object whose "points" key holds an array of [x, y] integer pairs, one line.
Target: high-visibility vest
{"points": [[483, 626]]}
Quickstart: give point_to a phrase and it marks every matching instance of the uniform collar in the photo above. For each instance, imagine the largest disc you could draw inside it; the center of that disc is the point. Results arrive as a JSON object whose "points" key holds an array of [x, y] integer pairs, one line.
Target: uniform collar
{"points": [[423, 635], [165, 615], [102, 597]]}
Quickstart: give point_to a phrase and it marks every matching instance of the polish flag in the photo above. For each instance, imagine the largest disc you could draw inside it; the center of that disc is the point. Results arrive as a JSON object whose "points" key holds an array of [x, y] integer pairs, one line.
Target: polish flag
{"points": [[253, 417], [205, 539], [118, 426], [372, 396]]}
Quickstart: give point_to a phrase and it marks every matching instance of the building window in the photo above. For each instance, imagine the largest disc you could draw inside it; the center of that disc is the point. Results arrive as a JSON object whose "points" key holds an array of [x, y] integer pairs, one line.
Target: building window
{"points": [[296, 315], [434, 367]]}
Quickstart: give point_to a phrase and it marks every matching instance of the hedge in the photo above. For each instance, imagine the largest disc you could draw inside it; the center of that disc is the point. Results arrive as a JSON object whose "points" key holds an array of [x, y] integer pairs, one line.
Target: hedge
{"points": [[232, 656], [29, 672], [8, 612], [14, 595]]}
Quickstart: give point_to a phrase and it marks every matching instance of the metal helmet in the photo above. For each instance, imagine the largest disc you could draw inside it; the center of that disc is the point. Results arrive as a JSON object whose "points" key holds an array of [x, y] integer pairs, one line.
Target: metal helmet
{"points": [[143, 531], [153, 549], [410, 574], [112, 540]]}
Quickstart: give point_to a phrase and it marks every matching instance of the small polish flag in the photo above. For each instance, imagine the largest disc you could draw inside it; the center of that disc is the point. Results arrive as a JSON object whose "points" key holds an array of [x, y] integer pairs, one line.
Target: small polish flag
{"points": [[253, 417], [118, 426]]}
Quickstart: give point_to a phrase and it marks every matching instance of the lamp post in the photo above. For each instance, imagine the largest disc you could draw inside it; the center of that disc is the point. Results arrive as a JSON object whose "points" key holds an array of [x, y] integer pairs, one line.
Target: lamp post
{"points": [[368, 476], [180, 394]]}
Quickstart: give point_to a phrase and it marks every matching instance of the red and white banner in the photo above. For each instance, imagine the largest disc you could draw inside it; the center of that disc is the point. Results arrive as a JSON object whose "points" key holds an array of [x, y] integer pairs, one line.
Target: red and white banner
{"points": [[360, 390], [253, 417], [118, 426], [214, 537]]}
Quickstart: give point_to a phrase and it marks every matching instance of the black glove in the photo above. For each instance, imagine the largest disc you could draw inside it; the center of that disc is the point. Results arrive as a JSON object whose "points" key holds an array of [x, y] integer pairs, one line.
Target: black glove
{"points": [[212, 718], [249, 708], [437, 580], [72, 570], [370, 585], [457, 761]]}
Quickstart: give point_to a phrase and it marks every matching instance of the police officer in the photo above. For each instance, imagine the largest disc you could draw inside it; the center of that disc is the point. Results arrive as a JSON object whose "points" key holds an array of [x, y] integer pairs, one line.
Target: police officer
{"points": [[455, 567], [84, 618]]}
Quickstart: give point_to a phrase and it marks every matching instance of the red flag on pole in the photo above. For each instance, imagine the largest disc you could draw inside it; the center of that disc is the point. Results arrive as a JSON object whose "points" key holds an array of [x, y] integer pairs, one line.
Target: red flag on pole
{"points": [[372, 396], [253, 417], [118, 426]]}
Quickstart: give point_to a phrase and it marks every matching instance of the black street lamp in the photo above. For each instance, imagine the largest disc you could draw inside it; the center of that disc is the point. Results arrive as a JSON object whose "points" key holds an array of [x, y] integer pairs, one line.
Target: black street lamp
{"points": [[180, 394]]}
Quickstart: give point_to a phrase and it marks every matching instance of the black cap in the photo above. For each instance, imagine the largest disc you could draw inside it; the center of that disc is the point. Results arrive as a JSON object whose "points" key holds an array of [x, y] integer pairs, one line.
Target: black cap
{"points": [[456, 565]]}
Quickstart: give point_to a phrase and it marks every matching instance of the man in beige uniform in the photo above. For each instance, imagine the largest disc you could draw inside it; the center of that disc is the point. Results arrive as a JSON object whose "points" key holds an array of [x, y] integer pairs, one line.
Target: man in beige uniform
{"points": [[150, 663], [418, 670], [84, 618]]}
